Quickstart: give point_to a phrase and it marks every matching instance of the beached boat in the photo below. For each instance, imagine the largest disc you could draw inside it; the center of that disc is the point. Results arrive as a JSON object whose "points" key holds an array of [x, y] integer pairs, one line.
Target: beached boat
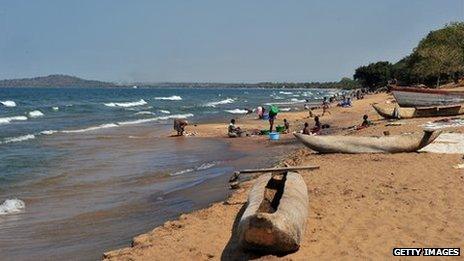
{"points": [[420, 97], [276, 213], [406, 113], [356, 144]]}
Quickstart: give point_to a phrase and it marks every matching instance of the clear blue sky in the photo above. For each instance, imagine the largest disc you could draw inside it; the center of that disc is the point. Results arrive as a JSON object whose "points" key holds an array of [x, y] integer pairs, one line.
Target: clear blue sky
{"points": [[226, 41]]}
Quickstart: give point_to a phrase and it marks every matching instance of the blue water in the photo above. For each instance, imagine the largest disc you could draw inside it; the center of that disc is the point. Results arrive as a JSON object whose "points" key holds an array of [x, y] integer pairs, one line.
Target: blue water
{"points": [[94, 167]]}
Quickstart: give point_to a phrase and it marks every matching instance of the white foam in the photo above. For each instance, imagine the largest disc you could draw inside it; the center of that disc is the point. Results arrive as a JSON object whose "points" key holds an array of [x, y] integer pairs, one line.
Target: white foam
{"points": [[18, 138], [7, 120], [237, 111], [284, 103], [11, 206], [170, 98], [145, 113], [207, 165], [103, 126], [165, 111], [214, 104], [126, 104], [55, 108], [35, 114], [180, 172], [8, 103], [48, 132], [285, 109], [175, 116], [203, 166], [287, 93]]}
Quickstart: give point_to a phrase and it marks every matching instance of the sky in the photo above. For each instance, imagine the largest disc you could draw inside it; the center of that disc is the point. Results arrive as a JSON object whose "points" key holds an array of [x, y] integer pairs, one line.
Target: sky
{"points": [[211, 41]]}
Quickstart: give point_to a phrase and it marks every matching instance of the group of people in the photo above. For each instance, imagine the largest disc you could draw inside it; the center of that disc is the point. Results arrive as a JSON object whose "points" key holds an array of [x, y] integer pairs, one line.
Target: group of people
{"points": [[235, 131]]}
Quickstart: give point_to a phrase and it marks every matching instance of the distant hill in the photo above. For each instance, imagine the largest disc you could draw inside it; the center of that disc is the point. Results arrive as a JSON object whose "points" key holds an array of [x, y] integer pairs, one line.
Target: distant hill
{"points": [[55, 80]]}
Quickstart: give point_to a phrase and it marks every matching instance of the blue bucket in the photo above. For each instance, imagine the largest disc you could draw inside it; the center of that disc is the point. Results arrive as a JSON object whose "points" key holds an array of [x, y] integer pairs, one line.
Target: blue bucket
{"points": [[266, 117], [274, 136]]}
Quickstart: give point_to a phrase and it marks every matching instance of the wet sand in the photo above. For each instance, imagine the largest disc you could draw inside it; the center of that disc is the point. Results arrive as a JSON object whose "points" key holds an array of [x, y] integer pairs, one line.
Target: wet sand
{"points": [[361, 206]]}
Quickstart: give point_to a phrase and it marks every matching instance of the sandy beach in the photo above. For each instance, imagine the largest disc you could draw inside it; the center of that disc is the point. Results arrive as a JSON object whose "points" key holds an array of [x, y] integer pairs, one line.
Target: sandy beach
{"points": [[360, 206]]}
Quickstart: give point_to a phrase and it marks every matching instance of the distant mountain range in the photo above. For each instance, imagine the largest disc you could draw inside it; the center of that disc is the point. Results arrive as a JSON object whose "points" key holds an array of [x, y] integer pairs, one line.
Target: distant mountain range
{"points": [[59, 80], [55, 80]]}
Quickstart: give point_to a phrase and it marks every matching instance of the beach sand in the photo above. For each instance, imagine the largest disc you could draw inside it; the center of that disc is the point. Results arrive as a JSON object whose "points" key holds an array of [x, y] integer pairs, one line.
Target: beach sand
{"points": [[361, 206]]}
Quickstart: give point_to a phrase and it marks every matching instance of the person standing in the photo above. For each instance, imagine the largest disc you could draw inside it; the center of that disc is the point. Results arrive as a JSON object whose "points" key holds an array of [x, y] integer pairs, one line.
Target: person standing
{"points": [[325, 106], [273, 110]]}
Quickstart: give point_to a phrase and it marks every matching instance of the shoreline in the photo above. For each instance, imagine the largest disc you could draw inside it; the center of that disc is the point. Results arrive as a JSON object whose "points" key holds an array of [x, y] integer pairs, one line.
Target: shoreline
{"points": [[335, 198]]}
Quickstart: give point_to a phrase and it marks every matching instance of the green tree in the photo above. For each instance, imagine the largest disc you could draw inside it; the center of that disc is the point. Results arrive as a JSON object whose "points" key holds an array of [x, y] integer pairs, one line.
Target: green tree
{"points": [[374, 75], [441, 53]]}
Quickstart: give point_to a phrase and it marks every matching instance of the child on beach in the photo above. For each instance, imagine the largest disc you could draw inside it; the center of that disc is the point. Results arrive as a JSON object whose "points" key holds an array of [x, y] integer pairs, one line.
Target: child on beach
{"points": [[306, 129], [234, 131], [287, 126], [325, 106]]}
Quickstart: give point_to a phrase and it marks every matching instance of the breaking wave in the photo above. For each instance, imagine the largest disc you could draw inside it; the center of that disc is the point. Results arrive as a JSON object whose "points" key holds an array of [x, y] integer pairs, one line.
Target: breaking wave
{"points": [[18, 138], [165, 111], [214, 104], [11, 206], [145, 113], [126, 104], [103, 126], [175, 116], [7, 120], [237, 111], [35, 114], [287, 93], [170, 98], [8, 103]]}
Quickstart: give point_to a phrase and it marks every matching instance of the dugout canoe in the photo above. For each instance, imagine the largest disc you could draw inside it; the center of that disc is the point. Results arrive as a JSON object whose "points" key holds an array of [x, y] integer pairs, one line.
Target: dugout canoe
{"points": [[356, 144], [275, 217], [421, 97], [406, 113]]}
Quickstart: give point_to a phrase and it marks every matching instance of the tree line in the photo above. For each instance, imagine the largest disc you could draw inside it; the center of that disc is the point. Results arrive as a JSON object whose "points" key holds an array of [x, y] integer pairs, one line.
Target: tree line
{"points": [[437, 59]]}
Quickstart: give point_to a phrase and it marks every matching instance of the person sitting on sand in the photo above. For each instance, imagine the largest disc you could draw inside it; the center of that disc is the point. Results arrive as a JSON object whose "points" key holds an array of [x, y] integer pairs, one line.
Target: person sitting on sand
{"points": [[306, 129], [287, 126], [366, 122], [233, 131], [179, 126], [317, 125]]}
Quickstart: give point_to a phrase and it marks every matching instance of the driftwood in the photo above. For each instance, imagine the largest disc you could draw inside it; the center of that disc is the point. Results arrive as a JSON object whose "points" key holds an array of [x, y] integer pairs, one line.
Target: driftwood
{"points": [[276, 213], [355, 144]]}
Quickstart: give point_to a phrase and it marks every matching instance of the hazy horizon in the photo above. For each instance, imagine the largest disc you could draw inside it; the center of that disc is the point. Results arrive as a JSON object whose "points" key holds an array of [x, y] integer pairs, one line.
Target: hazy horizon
{"points": [[210, 41]]}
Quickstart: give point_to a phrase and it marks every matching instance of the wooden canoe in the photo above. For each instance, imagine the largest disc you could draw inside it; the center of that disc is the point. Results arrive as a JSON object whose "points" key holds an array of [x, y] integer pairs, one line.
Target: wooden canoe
{"points": [[356, 144], [421, 97], [275, 217], [406, 113]]}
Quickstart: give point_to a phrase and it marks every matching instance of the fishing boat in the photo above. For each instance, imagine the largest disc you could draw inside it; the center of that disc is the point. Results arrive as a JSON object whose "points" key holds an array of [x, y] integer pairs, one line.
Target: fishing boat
{"points": [[275, 217], [420, 97], [407, 113], [356, 144]]}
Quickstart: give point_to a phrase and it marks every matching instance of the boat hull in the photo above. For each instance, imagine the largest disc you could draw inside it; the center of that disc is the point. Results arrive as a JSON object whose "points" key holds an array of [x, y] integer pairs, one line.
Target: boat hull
{"points": [[416, 97], [280, 230], [406, 113], [355, 144]]}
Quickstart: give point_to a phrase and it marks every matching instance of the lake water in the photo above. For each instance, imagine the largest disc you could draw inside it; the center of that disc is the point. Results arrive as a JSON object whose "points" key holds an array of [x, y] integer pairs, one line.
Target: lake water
{"points": [[82, 171]]}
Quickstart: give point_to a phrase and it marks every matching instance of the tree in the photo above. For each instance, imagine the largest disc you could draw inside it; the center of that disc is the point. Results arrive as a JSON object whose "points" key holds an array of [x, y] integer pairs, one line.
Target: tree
{"points": [[441, 53], [374, 75]]}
